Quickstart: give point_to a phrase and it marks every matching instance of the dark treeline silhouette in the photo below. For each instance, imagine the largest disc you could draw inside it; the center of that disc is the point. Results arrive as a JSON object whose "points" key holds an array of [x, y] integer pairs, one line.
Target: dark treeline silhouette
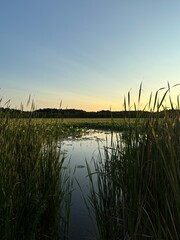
{"points": [[75, 113]]}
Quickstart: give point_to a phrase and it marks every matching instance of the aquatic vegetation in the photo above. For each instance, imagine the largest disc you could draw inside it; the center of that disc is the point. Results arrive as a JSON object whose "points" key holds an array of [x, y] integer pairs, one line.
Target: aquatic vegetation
{"points": [[134, 189], [34, 191], [135, 194]]}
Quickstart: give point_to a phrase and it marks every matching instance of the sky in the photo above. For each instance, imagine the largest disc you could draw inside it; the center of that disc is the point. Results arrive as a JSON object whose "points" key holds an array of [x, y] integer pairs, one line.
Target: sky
{"points": [[87, 53]]}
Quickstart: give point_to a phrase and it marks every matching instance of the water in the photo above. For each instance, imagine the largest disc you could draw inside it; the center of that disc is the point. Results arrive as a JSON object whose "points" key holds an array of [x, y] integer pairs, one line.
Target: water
{"points": [[78, 151]]}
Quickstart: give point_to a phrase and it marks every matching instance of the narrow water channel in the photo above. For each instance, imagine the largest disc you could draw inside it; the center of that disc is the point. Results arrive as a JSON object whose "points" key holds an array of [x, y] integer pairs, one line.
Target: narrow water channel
{"points": [[78, 151]]}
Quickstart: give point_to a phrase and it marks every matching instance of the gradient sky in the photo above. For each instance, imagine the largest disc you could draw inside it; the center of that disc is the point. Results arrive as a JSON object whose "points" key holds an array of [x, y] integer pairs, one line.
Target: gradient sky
{"points": [[87, 53]]}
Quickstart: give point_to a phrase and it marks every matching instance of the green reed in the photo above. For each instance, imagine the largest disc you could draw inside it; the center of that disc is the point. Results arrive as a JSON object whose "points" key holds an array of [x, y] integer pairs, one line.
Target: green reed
{"points": [[35, 194], [135, 193]]}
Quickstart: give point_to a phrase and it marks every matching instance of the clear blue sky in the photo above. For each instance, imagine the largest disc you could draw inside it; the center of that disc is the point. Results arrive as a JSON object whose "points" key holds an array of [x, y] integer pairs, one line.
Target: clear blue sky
{"points": [[87, 53]]}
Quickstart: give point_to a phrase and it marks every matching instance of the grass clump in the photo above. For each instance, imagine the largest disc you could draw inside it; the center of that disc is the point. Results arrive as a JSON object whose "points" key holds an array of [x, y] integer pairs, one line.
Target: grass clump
{"points": [[34, 192], [136, 191]]}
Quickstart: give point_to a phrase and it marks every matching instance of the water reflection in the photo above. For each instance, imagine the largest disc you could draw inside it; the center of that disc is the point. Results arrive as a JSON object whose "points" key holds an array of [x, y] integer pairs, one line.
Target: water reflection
{"points": [[78, 151]]}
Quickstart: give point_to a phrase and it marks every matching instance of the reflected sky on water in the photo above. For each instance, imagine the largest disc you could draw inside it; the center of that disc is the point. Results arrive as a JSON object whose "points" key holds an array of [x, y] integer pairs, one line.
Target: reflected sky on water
{"points": [[77, 152]]}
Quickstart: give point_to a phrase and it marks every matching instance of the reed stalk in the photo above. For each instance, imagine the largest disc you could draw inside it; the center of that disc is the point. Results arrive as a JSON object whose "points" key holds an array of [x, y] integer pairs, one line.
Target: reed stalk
{"points": [[135, 192], [34, 192]]}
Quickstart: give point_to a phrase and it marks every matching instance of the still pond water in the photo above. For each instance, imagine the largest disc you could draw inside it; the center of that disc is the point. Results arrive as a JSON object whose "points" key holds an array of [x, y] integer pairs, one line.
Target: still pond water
{"points": [[78, 151]]}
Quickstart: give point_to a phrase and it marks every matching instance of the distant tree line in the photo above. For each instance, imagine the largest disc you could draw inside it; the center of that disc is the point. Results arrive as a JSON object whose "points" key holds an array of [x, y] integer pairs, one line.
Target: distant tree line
{"points": [[75, 113]]}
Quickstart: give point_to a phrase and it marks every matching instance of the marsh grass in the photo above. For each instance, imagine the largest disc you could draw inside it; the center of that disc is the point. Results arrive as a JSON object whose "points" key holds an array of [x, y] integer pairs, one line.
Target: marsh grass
{"points": [[35, 194], [136, 191]]}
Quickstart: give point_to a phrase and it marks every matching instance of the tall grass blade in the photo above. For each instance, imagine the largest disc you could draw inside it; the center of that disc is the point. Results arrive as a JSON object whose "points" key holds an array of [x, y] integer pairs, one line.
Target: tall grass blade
{"points": [[125, 108], [162, 100], [29, 99], [129, 99], [171, 103], [150, 98], [178, 106], [156, 98], [139, 96], [7, 103]]}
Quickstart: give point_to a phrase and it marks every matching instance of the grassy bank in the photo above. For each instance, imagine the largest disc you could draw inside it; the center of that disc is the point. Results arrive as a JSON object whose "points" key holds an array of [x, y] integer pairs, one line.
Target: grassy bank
{"points": [[68, 126]]}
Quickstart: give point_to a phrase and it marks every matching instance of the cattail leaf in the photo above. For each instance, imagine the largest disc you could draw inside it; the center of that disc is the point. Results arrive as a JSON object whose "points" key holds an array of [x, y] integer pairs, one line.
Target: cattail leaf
{"points": [[163, 98], [21, 107], [140, 90], [171, 103], [129, 99], [157, 104], [145, 107], [155, 100], [176, 85], [33, 106], [169, 86], [7, 102], [150, 98], [29, 99], [60, 104], [125, 103], [178, 102]]}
